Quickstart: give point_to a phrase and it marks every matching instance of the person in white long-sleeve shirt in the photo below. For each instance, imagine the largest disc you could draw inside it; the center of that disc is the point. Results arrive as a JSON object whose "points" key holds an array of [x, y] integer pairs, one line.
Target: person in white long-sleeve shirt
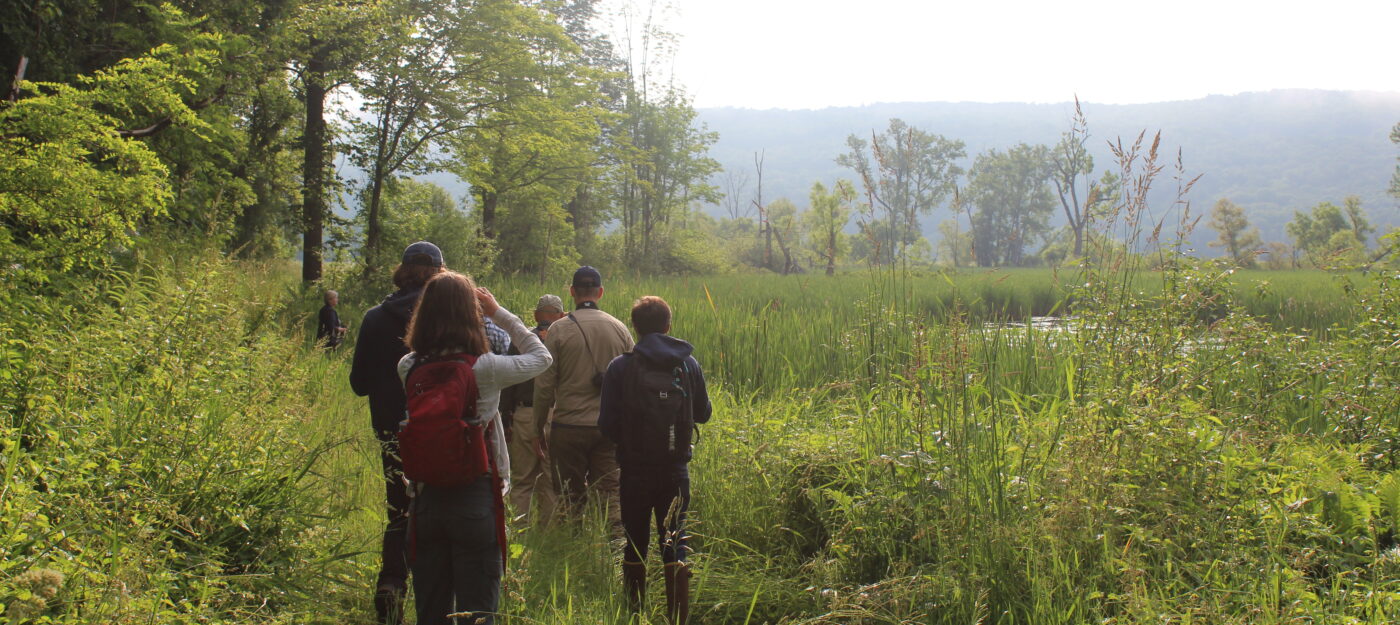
{"points": [[457, 564]]}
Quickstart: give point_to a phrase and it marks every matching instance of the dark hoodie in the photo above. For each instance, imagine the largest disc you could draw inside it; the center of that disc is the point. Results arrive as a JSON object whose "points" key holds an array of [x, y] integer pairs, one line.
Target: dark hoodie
{"points": [[664, 350], [377, 353]]}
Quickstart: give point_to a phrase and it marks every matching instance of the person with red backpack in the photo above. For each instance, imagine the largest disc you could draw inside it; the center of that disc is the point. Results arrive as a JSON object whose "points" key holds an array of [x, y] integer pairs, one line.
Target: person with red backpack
{"points": [[652, 399], [453, 446]]}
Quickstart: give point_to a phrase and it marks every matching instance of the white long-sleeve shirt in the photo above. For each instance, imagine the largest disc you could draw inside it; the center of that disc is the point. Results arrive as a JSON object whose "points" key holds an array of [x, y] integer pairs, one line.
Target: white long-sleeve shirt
{"points": [[495, 372]]}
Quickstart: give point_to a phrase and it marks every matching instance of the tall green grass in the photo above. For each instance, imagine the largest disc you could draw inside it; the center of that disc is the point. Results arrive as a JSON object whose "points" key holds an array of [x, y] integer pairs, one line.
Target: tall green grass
{"points": [[170, 455], [884, 450]]}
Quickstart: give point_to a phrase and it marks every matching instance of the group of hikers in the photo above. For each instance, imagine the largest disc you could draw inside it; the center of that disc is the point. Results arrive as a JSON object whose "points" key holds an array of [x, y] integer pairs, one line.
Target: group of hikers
{"points": [[472, 408]]}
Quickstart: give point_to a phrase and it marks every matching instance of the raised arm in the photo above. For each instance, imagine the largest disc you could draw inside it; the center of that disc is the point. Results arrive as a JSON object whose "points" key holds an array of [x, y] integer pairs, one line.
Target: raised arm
{"points": [[533, 358]]}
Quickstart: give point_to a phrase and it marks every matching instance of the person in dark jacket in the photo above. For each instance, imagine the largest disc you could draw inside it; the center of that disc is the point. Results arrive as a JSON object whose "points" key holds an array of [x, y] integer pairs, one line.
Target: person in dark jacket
{"points": [[328, 326], [374, 373], [655, 480]]}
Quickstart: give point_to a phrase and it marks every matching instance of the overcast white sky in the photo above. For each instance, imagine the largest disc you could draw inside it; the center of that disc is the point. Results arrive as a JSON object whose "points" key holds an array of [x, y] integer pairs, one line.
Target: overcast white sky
{"points": [[820, 53]]}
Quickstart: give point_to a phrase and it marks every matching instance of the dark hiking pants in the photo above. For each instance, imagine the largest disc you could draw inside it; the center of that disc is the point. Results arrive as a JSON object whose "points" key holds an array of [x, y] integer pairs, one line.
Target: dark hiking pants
{"points": [[659, 497], [393, 570], [456, 556], [583, 461]]}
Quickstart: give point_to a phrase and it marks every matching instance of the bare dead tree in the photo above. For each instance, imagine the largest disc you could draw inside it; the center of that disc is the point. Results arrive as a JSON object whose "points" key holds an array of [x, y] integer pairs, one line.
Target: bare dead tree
{"points": [[763, 213], [734, 185]]}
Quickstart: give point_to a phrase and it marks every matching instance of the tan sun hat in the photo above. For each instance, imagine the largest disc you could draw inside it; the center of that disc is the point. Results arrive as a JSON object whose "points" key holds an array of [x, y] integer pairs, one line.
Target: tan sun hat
{"points": [[549, 303]]}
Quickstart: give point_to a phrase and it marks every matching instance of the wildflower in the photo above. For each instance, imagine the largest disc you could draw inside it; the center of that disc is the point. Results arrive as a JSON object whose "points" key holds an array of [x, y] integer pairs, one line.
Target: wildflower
{"points": [[42, 586]]}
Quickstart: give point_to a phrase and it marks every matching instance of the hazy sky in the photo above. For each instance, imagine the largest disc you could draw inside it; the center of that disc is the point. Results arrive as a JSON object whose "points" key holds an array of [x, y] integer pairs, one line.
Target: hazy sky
{"points": [[819, 53]]}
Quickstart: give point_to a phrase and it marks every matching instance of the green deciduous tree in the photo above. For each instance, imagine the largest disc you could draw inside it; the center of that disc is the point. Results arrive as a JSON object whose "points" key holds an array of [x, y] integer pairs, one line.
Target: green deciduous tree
{"points": [[663, 169], [827, 219], [331, 40], [441, 68], [1356, 218], [954, 244], [266, 224], [547, 144], [1011, 193], [906, 172], [71, 185], [1328, 232], [416, 211], [786, 223], [1235, 235]]}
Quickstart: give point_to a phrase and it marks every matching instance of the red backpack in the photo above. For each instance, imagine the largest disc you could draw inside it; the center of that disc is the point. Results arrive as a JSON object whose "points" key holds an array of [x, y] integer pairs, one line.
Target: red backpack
{"points": [[437, 445]]}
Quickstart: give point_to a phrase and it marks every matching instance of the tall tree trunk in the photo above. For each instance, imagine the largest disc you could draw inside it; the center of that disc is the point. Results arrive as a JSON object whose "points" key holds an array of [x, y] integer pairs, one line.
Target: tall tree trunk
{"points": [[489, 200], [19, 76], [313, 170], [374, 230]]}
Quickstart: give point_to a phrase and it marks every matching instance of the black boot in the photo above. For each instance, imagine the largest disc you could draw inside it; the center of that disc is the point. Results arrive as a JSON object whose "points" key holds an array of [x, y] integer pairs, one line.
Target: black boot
{"points": [[388, 605], [677, 593], [634, 581]]}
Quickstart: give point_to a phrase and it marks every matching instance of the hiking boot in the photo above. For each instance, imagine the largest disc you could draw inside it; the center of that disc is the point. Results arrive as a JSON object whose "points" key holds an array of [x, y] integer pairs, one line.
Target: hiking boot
{"points": [[388, 605], [634, 581], [677, 593]]}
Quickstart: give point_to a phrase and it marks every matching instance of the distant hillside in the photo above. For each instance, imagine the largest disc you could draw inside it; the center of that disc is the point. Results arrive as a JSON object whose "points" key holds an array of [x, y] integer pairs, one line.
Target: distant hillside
{"points": [[1271, 152]]}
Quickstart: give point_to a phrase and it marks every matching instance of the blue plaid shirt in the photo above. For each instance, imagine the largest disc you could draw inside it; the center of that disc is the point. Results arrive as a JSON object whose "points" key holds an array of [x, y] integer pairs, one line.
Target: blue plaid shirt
{"points": [[500, 341]]}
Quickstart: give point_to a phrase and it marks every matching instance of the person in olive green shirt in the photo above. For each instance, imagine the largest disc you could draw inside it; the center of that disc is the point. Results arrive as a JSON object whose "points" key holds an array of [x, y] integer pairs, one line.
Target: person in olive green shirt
{"points": [[582, 344]]}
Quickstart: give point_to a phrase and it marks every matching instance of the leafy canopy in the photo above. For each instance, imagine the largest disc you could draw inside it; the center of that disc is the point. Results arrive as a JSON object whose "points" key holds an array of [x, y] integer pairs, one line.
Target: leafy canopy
{"points": [[71, 185]]}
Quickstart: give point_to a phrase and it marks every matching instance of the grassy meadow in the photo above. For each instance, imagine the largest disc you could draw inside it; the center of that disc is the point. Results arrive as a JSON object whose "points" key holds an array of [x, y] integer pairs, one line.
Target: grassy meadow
{"points": [[1195, 445]]}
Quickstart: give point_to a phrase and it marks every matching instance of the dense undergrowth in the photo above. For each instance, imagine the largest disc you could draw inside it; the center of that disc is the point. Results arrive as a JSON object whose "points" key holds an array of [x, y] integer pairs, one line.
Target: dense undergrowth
{"points": [[170, 454], [175, 451]]}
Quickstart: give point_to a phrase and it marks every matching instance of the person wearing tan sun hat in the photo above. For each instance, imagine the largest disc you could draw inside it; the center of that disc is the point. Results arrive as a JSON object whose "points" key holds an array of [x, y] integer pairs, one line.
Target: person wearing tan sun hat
{"points": [[529, 473]]}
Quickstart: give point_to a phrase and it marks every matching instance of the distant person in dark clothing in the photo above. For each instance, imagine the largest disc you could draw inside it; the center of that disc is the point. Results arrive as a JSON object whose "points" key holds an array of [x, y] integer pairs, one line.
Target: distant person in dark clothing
{"points": [[328, 326], [374, 372], [652, 398]]}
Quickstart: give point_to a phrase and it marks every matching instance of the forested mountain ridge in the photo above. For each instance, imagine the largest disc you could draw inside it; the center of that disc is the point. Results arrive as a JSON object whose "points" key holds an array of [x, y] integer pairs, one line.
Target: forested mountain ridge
{"points": [[1271, 152]]}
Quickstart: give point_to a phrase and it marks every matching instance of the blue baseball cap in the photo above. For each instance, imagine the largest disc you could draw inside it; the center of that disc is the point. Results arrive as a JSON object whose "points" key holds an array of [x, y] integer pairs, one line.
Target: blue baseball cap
{"points": [[413, 254], [587, 277]]}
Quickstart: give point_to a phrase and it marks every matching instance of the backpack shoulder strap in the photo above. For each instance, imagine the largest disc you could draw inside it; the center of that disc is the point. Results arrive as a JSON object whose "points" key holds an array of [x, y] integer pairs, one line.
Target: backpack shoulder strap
{"points": [[418, 361], [688, 379], [586, 346]]}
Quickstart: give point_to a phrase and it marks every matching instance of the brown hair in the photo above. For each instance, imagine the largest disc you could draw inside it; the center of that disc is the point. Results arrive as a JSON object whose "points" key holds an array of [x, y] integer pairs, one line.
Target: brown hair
{"points": [[447, 317], [412, 276], [650, 315]]}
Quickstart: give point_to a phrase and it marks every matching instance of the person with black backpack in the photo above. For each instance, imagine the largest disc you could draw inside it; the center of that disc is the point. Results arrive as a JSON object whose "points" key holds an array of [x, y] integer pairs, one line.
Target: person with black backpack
{"points": [[453, 446], [652, 399]]}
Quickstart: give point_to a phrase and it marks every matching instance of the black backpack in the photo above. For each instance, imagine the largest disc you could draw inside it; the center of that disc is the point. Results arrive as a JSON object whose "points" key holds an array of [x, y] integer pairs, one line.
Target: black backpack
{"points": [[661, 427]]}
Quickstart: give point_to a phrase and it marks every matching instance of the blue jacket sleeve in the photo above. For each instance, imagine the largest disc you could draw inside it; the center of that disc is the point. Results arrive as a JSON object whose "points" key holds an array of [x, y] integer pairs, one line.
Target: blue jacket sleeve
{"points": [[610, 410], [700, 405]]}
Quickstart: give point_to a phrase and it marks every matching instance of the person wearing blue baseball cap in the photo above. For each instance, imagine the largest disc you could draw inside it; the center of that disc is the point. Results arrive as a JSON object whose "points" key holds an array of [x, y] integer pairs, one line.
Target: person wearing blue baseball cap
{"points": [[374, 373], [567, 396]]}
